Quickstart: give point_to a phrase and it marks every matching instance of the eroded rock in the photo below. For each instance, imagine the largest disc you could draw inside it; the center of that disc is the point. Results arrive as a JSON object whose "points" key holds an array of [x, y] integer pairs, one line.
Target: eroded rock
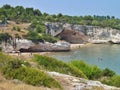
{"points": [[74, 83]]}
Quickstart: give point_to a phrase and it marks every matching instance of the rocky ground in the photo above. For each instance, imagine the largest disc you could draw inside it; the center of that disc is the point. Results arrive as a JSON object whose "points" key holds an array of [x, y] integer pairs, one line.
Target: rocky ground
{"points": [[73, 83]]}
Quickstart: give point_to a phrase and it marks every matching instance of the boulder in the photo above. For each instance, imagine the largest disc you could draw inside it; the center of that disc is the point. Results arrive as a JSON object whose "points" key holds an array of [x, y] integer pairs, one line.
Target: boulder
{"points": [[42, 47], [73, 36]]}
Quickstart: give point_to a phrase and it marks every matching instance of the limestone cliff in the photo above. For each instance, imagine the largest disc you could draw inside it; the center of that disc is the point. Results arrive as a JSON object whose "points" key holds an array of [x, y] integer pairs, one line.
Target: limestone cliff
{"points": [[96, 34], [24, 45]]}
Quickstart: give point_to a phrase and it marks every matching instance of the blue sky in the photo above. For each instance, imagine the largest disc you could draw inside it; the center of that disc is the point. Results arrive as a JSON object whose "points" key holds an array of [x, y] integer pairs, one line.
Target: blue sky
{"points": [[71, 7]]}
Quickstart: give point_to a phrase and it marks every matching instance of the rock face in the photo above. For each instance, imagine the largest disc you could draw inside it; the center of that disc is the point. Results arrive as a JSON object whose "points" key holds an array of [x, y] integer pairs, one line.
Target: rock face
{"points": [[42, 47], [24, 45], [96, 34], [74, 83], [73, 36]]}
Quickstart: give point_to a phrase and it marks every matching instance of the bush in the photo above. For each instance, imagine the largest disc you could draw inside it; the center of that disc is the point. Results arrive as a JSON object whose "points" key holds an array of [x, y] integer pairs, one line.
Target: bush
{"points": [[53, 64], [13, 68], [92, 72], [108, 72], [30, 76], [16, 28], [49, 38], [114, 81], [0, 49]]}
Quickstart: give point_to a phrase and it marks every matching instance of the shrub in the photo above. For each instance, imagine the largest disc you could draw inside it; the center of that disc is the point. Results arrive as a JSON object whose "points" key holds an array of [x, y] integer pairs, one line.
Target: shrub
{"points": [[114, 81], [16, 28], [13, 68], [0, 49], [49, 38], [108, 72], [30, 76], [92, 72], [53, 64]]}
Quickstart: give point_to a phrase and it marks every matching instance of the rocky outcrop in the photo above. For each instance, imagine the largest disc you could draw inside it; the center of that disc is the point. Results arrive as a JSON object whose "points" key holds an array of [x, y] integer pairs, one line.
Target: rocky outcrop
{"points": [[24, 45], [74, 83], [73, 36], [96, 34], [42, 47]]}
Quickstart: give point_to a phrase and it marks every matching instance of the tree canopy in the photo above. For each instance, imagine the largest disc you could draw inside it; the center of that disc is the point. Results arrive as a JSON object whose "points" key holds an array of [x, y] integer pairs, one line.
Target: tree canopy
{"points": [[21, 14]]}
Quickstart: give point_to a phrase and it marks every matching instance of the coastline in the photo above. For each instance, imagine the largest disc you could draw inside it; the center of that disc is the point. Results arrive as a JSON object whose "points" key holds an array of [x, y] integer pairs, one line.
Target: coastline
{"points": [[76, 46], [31, 54]]}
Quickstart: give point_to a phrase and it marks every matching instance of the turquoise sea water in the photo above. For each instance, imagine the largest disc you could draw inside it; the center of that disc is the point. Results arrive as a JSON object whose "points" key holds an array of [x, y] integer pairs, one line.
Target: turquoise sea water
{"points": [[104, 56]]}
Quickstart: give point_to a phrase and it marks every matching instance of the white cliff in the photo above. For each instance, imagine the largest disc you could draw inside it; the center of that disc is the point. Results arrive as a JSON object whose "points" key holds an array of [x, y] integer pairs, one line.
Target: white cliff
{"points": [[96, 34]]}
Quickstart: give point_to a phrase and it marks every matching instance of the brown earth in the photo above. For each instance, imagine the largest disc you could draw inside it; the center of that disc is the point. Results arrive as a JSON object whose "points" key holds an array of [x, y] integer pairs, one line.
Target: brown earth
{"points": [[9, 29], [73, 36]]}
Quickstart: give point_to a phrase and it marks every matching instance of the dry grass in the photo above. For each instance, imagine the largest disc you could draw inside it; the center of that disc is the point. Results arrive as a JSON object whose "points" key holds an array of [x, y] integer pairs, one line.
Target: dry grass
{"points": [[9, 27], [10, 85]]}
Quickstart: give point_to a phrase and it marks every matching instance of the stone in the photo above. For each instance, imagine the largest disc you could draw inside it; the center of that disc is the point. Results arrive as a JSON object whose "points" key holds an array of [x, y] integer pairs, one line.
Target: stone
{"points": [[74, 83], [95, 34], [73, 36]]}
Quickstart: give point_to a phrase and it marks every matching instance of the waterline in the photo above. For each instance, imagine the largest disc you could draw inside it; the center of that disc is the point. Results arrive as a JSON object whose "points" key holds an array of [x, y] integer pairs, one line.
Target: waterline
{"points": [[103, 55]]}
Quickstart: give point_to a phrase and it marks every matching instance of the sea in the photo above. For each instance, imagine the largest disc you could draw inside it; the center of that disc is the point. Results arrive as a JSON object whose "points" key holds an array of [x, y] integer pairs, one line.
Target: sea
{"points": [[102, 55]]}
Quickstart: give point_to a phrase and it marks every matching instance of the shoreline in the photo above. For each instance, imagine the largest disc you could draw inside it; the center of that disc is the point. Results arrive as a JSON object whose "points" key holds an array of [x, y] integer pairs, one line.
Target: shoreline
{"points": [[77, 46], [31, 54]]}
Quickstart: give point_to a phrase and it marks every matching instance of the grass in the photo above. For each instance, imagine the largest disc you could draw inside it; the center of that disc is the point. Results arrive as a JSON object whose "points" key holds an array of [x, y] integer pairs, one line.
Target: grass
{"points": [[13, 86], [52, 64], [13, 68], [92, 72]]}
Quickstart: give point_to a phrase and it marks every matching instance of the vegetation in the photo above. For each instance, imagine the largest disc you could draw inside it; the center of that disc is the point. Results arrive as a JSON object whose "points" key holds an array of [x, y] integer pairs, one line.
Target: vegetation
{"points": [[92, 72], [5, 37], [16, 28], [53, 64], [13, 68], [106, 76], [21, 14], [36, 37]]}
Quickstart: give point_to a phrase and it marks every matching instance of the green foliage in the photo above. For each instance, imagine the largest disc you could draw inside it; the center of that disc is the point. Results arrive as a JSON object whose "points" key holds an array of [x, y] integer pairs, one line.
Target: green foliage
{"points": [[40, 28], [53, 64], [16, 28], [114, 80], [13, 68], [21, 14], [5, 37], [92, 72], [108, 72], [34, 36], [49, 38], [0, 49]]}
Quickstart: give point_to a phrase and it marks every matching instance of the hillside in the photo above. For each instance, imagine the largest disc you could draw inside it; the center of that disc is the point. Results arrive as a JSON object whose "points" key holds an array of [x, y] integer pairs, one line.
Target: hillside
{"points": [[46, 73], [28, 30]]}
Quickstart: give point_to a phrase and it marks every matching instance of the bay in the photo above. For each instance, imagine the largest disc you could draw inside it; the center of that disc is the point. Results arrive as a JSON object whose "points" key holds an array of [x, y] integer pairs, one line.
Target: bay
{"points": [[102, 55]]}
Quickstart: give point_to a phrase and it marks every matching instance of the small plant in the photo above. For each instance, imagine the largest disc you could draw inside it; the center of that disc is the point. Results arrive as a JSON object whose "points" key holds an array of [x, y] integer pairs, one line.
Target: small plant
{"points": [[53, 64], [114, 80], [92, 72], [108, 72], [0, 49], [13, 68], [16, 28]]}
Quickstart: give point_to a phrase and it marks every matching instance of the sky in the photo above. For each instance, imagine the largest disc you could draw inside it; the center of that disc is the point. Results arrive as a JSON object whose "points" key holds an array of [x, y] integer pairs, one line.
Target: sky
{"points": [[71, 7]]}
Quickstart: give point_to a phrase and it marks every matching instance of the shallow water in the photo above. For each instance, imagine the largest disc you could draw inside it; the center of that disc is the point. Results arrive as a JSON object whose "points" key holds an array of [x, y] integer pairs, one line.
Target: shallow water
{"points": [[105, 56]]}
